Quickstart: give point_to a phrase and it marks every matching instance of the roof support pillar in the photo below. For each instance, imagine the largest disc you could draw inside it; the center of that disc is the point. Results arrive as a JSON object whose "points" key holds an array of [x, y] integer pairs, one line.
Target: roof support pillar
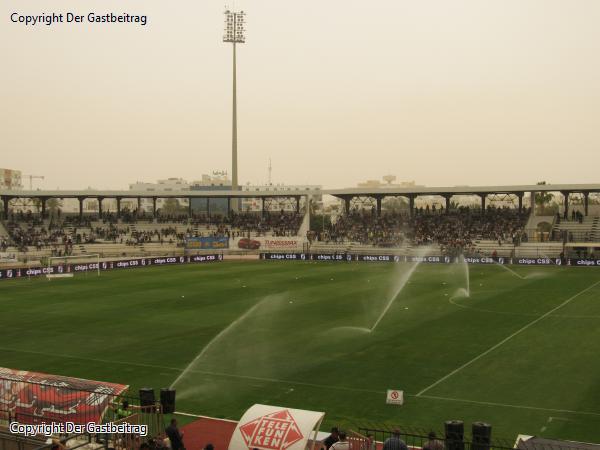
{"points": [[586, 198], [6, 202], [566, 203], [43, 202], [81, 199], [347, 204], [483, 199], [520, 197]]}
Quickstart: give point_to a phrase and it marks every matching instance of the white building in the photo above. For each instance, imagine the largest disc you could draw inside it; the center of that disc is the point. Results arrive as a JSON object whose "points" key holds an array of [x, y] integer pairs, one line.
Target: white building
{"points": [[218, 178], [388, 181], [161, 186], [255, 204], [10, 179]]}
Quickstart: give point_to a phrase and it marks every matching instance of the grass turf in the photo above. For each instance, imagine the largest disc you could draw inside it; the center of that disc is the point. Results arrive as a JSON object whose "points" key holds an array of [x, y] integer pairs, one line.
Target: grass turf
{"points": [[296, 334]]}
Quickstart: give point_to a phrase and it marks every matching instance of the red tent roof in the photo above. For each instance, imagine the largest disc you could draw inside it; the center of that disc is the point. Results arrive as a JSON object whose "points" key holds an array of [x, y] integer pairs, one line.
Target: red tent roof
{"points": [[33, 397]]}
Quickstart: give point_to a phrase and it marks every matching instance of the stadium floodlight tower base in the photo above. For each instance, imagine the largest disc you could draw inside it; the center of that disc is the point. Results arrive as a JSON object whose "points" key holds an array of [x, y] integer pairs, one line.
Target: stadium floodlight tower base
{"points": [[94, 257]]}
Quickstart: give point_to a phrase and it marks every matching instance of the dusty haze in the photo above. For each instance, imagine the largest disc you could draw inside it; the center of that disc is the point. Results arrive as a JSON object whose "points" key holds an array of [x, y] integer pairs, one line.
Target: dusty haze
{"points": [[335, 92]]}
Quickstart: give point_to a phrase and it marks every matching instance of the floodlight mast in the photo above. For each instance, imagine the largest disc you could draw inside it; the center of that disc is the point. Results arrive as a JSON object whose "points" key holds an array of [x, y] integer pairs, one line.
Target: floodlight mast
{"points": [[234, 33]]}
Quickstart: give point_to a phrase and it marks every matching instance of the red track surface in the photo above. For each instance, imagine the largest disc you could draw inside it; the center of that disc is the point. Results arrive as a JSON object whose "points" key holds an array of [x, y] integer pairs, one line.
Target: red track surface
{"points": [[206, 430]]}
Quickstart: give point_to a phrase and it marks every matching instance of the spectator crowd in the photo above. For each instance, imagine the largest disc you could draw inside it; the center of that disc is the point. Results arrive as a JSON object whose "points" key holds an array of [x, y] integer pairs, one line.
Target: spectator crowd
{"points": [[61, 233], [454, 231]]}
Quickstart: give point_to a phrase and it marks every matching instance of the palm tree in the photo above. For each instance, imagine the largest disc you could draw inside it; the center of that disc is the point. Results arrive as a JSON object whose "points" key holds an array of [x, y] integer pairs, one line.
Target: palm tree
{"points": [[543, 199], [52, 206], [171, 206]]}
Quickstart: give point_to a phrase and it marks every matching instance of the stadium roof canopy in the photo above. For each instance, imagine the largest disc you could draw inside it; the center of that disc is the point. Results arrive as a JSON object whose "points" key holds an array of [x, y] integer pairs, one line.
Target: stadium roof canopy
{"points": [[346, 192]]}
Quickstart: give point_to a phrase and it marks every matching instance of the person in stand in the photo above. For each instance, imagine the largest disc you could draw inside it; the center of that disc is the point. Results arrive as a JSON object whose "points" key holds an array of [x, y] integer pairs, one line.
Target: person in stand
{"points": [[175, 436], [394, 442], [433, 443], [332, 438], [342, 444]]}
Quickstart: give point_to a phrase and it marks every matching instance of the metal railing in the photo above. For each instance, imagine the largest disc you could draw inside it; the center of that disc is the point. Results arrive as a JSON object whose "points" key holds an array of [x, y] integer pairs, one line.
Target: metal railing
{"points": [[418, 438], [415, 438]]}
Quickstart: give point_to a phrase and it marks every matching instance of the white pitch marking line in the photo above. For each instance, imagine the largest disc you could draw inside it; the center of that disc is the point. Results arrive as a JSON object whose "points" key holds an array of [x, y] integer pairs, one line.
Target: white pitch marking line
{"points": [[299, 383], [563, 419], [507, 405], [505, 340]]}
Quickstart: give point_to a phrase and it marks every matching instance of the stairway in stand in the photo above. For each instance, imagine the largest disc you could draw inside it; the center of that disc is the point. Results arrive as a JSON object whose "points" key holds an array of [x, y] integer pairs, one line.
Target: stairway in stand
{"points": [[133, 230], [596, 229]]}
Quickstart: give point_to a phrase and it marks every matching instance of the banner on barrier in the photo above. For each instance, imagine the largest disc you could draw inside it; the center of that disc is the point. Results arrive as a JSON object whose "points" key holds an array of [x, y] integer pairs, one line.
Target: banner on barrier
{"points": [[22, 272], [207, 243], [292, 243], [431, 259]]}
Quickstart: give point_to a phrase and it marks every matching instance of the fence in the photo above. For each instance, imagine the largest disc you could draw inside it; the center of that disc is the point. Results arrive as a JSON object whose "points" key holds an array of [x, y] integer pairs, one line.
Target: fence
{"points": [[376, 435], [417, 438]]}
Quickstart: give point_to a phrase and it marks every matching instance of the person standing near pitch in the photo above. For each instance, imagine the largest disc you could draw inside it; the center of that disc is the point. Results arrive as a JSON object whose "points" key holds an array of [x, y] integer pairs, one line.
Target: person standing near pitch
{"points": [[342, 443], [175, 436], [394, 442]]}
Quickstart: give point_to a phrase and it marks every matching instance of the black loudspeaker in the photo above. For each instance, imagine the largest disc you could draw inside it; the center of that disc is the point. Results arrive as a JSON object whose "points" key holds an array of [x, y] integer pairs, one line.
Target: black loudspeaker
{"points": [[167, 400], [455, 432], [147, 397], [482, 436]]}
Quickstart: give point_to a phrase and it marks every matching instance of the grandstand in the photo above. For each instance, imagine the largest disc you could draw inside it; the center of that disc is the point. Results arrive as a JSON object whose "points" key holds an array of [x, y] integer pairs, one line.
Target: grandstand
{"points": [[485, 231], [34, 238]]}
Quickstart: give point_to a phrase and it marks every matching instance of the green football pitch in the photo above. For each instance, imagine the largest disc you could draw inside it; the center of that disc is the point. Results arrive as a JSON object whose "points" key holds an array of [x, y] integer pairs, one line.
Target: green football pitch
{"points": [[516, 347]]}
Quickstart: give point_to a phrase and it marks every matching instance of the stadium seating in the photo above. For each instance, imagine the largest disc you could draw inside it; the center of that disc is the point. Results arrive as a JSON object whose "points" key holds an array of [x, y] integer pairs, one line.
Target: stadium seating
{"points": [[487, 247], [461, 231], [586, 230], [539, 250], [499, 232], [33, 239]]}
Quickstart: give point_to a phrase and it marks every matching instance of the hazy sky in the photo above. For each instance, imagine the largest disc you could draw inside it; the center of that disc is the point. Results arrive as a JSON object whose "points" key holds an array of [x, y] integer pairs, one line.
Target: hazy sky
{"points": [[442, 92]]}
